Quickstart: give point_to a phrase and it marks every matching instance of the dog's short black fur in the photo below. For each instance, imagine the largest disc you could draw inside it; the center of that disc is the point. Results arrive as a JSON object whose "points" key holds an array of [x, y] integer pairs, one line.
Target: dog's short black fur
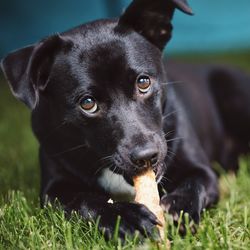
{"points": [[181, 123]]}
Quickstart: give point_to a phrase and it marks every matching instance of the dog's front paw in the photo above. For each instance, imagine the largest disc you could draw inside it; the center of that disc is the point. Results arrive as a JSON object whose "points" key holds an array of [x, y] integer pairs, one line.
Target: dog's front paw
{"points": [[175, 203], [133, 218]]}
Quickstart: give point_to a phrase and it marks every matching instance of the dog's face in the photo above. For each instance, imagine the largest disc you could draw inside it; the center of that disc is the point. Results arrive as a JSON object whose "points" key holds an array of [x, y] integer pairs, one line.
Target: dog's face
{"points": [[112, 91], [105, 80], [119, 99]]}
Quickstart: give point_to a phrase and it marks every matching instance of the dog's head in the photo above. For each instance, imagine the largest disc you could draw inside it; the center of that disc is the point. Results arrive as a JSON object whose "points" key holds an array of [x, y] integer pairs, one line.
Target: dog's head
{"points": [[104, 81]]}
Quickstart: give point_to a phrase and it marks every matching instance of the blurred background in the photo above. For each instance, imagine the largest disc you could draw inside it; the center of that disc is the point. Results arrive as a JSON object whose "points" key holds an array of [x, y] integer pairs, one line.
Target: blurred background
{"points": [[218, 33], [216, 26]]}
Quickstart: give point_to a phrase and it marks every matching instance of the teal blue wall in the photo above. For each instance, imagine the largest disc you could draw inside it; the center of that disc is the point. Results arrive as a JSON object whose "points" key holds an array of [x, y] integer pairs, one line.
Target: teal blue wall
{"points": [[217, 24]]}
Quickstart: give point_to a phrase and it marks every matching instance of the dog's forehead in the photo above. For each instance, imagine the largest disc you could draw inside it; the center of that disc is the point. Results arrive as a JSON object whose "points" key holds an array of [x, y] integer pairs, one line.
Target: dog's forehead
{"points": [[101, 60], [103, 55]]}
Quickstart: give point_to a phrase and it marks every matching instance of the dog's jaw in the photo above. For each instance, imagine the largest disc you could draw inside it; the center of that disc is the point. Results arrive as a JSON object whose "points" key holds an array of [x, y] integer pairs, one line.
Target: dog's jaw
{"points": [[115, 185]]}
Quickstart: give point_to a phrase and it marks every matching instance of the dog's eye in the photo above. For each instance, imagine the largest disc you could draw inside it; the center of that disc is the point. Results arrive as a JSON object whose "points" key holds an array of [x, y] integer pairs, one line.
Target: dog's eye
{"points": [[89, 105], [143, 84]]}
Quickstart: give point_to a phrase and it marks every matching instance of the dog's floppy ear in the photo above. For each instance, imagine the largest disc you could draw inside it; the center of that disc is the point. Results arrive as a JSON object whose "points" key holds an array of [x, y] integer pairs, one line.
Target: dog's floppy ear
{"points": [[152, 18], [27, 70]]}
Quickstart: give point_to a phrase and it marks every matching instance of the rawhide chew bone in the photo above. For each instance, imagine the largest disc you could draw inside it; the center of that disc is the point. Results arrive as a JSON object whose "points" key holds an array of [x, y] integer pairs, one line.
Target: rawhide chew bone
{"points": [[148, 195]]}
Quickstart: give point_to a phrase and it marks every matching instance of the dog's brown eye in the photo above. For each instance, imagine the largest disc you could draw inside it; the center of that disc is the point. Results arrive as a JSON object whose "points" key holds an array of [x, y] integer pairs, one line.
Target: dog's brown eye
{"points": [[143, 84], [89, 105]]}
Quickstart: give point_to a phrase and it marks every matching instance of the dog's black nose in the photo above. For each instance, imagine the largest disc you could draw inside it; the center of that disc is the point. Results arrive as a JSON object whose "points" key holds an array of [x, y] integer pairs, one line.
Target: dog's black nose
{"points": [[141, 156]]}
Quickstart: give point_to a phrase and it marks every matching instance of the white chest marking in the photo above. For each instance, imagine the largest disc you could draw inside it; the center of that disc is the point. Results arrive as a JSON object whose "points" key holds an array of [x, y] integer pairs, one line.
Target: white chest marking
{"points": [[116, 186]]}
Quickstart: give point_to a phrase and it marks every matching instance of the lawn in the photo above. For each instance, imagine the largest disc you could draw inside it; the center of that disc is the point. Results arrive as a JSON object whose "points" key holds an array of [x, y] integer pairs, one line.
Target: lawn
{"points": [[23, 225]]}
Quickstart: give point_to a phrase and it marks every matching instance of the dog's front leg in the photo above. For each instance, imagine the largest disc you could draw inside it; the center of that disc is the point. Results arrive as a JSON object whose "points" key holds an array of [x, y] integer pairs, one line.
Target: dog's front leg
{"points": [[193, 187], [92, 205]]}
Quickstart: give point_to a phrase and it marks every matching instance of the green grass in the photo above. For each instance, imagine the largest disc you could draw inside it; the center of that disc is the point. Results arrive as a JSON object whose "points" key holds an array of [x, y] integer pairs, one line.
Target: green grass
{"points": [[23, 225]]}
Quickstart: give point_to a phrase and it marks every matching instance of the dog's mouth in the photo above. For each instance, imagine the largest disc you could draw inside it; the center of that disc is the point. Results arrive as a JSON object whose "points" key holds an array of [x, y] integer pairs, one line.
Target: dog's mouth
{"points": [[119, 184], [128, 174]]}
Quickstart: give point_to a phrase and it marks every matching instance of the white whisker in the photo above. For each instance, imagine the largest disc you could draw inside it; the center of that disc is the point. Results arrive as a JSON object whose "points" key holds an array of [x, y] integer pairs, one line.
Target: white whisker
{"points": [[173, 82], [106, 162], [169, 133], [169, 114], [70, 150], [175, 139], [51, 132]]}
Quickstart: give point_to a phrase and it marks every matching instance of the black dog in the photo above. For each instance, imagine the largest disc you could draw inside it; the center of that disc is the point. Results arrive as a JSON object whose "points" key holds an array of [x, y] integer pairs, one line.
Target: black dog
{"points": [[102, 107]]}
